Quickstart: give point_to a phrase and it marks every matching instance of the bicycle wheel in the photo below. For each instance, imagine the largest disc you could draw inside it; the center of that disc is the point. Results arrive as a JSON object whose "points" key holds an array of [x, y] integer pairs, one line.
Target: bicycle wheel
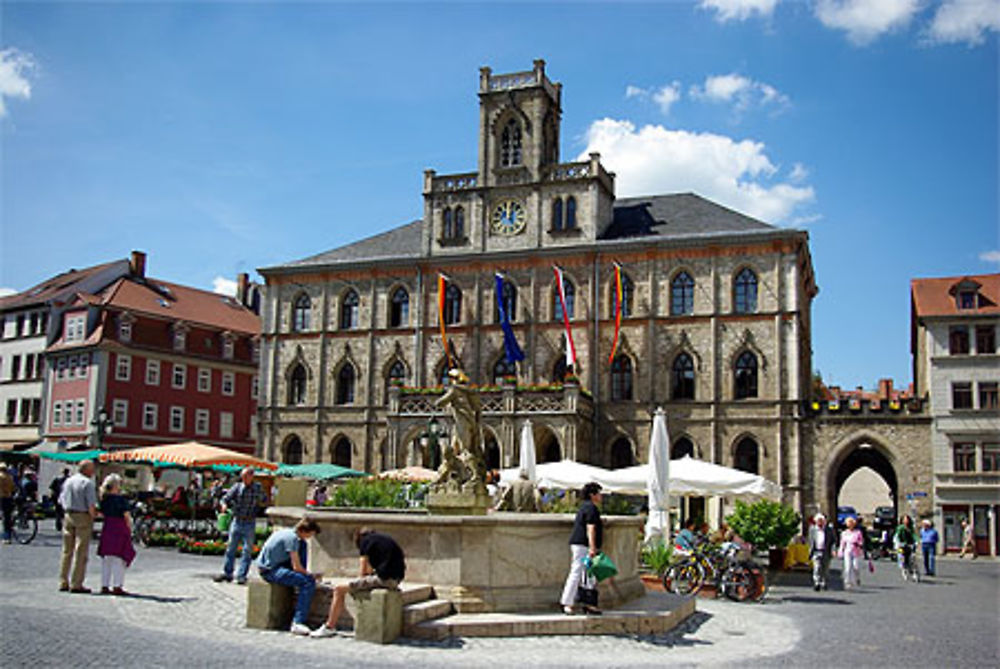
{"points": [[737, 583], [684, 578], [25, 527]]}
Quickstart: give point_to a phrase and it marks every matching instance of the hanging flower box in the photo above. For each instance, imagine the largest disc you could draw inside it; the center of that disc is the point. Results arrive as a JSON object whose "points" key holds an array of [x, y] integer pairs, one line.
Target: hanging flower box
{"points": [[833, 405], [875, 405], [855, 405], [895, 405]]}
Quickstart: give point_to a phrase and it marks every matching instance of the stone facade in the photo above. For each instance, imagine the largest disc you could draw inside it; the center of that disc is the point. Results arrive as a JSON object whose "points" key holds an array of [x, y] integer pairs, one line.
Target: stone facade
{"points": [[347, 377]]}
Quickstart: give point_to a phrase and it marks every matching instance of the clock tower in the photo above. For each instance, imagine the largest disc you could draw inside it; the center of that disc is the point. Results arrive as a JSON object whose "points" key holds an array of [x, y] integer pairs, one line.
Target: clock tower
{"points": [[520, 196]]}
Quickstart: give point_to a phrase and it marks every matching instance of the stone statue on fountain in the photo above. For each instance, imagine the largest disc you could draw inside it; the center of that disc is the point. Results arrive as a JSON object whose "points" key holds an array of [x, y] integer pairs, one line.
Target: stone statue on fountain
{"points": [[460, 486]]}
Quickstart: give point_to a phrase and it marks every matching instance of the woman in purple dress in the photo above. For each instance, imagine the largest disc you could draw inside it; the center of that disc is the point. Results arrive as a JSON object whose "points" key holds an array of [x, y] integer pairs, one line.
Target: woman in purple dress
{"points": [[115, 549]]}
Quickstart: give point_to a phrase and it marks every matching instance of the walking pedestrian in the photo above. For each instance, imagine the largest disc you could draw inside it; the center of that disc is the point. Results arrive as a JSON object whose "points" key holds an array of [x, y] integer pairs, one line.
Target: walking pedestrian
{"points": [[585, 541], [852, 547], [7, 490], [822, 543], [244, 499], [283, 561], [905, 541], [79, 499], [968, 542], [55, 488], [383, 566], [928, 543], [115, 546]]}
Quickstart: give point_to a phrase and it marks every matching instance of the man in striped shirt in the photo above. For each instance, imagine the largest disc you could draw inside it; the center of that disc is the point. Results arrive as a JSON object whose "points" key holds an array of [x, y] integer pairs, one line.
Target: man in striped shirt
{"points": [[243, 499]]}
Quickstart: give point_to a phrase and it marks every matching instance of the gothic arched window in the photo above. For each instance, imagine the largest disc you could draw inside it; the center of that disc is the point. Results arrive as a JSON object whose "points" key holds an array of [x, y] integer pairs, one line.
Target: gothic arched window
{"points": [[345, 384], [746, 376], [746, 458], [297, 386], [570, 291], [452, 305], [341, 452], [300, 313], [628, 293], [570, 212], [559, 369], [398, 371], [621, 454], [745, 292], [557, 214], [349, 311], [682, 295], [503, 368], [509, 299], [447, 226], [510, 144], [683, 377], [399, 309], [621, 378], [458, 231]]}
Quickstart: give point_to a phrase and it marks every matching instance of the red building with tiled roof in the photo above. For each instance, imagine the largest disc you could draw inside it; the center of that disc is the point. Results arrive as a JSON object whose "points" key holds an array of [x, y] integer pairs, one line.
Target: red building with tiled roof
{"points": [[165, 362]]}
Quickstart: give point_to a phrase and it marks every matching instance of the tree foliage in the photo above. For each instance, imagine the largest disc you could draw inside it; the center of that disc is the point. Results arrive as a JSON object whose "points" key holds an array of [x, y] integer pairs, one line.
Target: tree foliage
{"points": [[765, 524]]}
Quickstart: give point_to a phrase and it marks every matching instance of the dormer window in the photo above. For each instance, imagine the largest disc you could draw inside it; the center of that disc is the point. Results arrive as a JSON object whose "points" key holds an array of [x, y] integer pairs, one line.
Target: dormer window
{"points": [[180, 338], [967, 299], [228, 347], [75, 327], [510, 144]]}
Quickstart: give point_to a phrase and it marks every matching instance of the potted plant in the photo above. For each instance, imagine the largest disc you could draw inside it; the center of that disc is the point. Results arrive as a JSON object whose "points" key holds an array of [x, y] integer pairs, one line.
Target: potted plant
{"points": [[766, 525], [656, 556]]}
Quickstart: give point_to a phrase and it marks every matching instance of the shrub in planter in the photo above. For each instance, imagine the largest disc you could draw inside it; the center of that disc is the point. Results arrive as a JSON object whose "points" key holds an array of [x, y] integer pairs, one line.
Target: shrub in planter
{"points": [[370, 493], [657, 555], [765, 524]]}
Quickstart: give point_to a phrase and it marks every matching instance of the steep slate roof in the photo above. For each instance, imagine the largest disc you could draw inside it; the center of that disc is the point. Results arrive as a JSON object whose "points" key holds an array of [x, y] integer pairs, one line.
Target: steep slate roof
{"points": [[61, 287], [672, 216], [177, 302], [935, 297]]}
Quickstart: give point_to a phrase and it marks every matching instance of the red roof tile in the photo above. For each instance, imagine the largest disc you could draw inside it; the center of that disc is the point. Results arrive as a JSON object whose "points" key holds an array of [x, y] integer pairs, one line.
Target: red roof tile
{"points": [[936, 297], [181, 303], [60, 287]]}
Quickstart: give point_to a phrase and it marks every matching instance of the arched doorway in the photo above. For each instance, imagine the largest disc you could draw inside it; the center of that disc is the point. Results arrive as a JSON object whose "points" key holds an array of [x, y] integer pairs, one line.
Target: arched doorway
{"points": [[681, 448], [491, 451], [621, 454], [341, 452], [857, 459], [547, 447], [746, 457], [292, 451]]}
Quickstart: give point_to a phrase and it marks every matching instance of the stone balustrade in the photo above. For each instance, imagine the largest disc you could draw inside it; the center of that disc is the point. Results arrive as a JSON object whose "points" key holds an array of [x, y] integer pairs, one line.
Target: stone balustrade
{"points": [[450, 183]]}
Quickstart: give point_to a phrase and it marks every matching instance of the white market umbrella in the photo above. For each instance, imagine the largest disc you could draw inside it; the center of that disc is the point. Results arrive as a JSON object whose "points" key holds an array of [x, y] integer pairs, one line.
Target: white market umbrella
{"points": [[527, 456], [658, 478]]}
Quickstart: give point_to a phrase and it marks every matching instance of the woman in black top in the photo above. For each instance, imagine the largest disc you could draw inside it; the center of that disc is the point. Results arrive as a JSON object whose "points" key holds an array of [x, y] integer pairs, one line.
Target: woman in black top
{"points": [[585, 541]]}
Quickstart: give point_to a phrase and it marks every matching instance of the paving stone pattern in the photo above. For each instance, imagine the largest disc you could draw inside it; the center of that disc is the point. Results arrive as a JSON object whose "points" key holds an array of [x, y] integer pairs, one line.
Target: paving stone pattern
{"points": [[180, 618]]}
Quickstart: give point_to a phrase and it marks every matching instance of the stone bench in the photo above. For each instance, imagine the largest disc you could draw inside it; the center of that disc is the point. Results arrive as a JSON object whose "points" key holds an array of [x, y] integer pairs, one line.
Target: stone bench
{"points": [[376, 616]]}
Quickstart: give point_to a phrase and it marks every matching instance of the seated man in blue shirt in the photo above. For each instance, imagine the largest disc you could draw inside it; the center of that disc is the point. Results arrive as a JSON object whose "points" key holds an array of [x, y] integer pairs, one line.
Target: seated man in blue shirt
{"points": [[282, 561], [686, 539]]}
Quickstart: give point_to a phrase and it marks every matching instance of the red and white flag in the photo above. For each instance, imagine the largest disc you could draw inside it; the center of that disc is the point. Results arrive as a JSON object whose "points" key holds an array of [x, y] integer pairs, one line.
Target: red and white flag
{"points": [[570, 348]]}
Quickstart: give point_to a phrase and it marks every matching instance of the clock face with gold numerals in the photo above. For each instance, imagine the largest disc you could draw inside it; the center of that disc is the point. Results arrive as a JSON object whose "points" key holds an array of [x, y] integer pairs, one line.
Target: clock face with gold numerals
{"points": [[507, 217]]}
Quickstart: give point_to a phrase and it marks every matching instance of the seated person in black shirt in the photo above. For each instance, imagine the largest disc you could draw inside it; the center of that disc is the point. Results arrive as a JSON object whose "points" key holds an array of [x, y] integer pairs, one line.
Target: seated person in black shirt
{"points": [[382, 566]]}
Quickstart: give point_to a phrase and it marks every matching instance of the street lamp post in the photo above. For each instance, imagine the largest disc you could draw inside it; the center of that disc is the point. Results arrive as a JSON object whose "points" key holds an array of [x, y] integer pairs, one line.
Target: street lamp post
{"points": [[103, 425], [430, 441]]}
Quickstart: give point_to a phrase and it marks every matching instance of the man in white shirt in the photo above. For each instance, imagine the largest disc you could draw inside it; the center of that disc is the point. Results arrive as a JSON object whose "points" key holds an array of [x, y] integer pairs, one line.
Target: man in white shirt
{"points": [[79, 499]]}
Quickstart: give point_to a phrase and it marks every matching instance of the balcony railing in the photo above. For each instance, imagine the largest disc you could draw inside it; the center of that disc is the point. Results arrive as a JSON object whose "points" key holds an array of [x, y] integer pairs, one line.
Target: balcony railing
{"points": [[497, 400], [449, 183]]}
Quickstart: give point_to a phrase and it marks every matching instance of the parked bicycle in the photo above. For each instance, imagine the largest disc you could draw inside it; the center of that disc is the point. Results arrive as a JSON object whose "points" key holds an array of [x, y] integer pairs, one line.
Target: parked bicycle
{"points": [[729, 568], [25, 523]]}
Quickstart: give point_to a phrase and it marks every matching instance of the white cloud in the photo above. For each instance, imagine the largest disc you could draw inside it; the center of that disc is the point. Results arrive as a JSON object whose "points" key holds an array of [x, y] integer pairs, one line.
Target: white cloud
{"points": [[667, 96], [14, 69], [865, 20], [798, 173], [740, 91], [964, 21], [4, 292], [224, 286], [740, 10], [990, 256], [655, 159], [664, 97]]}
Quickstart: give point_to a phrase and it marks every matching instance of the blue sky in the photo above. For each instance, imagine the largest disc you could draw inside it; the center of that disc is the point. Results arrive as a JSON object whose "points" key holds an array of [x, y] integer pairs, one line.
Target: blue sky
{"points": [[224, 137]]}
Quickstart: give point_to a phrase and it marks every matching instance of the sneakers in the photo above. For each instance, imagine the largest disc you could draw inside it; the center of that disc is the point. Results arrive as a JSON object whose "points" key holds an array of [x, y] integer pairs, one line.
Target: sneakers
{"points": [[241, 581], [323, 632], [222, 578], [300, 630]]}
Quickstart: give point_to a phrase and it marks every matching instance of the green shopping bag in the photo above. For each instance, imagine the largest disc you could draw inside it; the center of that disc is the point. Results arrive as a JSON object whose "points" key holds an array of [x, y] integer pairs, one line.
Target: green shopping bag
{"points": [[224, 520], [601, 567]]}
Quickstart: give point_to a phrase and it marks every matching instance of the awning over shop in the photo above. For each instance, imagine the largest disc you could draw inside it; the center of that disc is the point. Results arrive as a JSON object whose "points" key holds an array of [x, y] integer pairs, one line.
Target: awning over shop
{"points": [[318, 471], [188, 454], [71, 456]]}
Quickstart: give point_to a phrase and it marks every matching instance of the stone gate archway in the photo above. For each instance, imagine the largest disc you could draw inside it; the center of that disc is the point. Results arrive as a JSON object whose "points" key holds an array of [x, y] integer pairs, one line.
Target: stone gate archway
{"points": [[856, 457]]}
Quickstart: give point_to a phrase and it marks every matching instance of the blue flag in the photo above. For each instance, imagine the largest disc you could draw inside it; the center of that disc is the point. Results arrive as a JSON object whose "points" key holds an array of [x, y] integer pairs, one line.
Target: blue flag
{"points": [[512, 350]]}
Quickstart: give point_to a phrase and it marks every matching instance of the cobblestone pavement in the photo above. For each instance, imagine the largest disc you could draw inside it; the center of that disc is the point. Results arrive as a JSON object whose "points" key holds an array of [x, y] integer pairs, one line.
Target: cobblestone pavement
{"points": [[180, 618]]}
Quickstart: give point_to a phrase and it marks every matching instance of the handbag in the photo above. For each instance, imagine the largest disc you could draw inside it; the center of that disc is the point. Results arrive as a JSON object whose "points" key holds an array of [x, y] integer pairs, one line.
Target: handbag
{"points": [[601, 567], [586, 596], [223, 521], [871, 566]]}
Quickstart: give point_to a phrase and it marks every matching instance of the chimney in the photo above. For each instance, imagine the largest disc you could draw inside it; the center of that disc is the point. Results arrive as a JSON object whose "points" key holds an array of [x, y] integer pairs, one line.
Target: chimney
{"points": [[137, 264], [885, 388], [242, 283]]}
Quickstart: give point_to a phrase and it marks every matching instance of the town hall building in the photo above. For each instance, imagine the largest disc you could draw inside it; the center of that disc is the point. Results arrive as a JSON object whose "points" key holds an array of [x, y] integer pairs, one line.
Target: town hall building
{"points": [[714, 323]]}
